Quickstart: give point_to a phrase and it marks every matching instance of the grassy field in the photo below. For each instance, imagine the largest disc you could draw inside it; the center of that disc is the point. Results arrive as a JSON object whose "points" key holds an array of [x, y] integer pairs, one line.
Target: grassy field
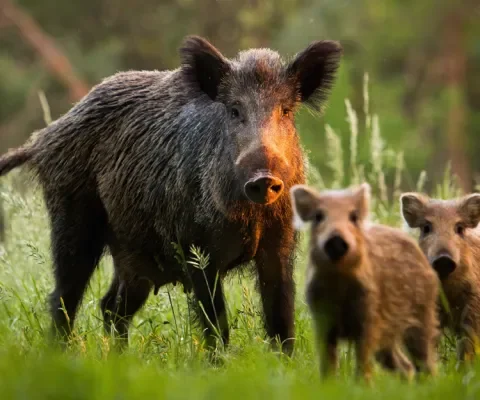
{"points": [[165, 358]]}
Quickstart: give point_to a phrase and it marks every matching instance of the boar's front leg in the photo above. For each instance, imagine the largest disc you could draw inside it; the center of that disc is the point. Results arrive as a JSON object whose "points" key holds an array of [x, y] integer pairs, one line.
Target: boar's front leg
{"points": [[211, 308], [128, 291], [274, 261]]}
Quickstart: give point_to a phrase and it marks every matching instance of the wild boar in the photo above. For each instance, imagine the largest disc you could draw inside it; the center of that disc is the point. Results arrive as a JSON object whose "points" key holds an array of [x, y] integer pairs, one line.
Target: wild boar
{"points": [[201, 155], [451, 242]]}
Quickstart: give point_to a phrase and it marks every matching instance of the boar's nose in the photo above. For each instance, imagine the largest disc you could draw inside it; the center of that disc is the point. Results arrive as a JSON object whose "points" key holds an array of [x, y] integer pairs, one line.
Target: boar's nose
{"points": [[444, 265], [336, 248], [263, 189]]}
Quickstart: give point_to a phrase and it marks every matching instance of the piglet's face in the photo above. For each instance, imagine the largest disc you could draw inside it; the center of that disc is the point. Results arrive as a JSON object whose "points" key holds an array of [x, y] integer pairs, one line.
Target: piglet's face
{"points": [[336, 220], [444, 226]]}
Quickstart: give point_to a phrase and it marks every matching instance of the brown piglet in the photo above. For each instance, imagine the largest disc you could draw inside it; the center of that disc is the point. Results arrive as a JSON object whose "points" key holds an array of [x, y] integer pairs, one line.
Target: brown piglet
{"points": [[366, 283], [450, 239]]}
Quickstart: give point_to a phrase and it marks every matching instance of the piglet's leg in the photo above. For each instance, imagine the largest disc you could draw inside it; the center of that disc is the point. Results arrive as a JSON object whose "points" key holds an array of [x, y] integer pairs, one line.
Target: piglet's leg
{"points": [[327, 343], [365, 349]]}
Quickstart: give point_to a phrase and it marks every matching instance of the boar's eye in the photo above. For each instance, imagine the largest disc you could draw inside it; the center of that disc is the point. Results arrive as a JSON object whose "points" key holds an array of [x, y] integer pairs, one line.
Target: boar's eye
{"points": [[319, 216], [427, 228], [459, 229], [353, 217], [235, 112], [286, 112]]}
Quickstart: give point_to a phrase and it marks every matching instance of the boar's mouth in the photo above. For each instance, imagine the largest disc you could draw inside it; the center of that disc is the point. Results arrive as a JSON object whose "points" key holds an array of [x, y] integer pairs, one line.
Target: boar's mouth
{"points": [[444, 266], [263, 189]]}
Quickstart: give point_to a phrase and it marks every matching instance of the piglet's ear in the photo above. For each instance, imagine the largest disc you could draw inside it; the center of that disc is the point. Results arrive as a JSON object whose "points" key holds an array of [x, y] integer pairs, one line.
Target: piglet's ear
{"points": [[304, 203], [203, 65], [313, 71], [363, 194], [413, 207], [469, 210]]}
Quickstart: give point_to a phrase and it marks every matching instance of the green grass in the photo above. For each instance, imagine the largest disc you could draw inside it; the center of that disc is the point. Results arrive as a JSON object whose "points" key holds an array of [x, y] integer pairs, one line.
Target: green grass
{"points": [[165, 358]]}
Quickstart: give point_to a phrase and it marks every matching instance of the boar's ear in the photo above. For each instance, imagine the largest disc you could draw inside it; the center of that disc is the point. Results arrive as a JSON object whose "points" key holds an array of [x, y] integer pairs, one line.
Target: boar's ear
{"points": [[203, 65], [304, 202], [362, 195], [413, 207], [469, 210], [313, 71]]}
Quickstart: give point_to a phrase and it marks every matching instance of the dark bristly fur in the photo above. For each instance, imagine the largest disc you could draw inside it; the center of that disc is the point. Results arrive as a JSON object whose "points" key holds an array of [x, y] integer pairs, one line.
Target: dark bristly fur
{"points": [[448, 230], [366, 283], [11, 160], [151, 158]]}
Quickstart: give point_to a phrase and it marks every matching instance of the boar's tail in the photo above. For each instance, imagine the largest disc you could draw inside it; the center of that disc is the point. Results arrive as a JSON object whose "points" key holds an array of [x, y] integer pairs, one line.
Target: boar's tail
{"points": [[15, 158]]}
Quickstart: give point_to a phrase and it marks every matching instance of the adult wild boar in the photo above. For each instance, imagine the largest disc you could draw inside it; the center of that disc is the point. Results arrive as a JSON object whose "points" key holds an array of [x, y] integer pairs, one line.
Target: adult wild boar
{"points": [[205, 155]]}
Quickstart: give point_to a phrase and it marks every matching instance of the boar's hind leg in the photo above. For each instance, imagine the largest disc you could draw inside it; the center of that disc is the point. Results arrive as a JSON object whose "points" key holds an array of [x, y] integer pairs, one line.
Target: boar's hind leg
{"points": [[78, 241], [275, 279], [211, 308], [126, 295], [122, 301]]}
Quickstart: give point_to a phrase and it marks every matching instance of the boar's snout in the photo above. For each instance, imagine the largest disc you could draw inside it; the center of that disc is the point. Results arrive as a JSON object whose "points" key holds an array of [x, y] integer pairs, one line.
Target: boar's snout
{"points": [[263, 189], [336, 247], [444, 265]]}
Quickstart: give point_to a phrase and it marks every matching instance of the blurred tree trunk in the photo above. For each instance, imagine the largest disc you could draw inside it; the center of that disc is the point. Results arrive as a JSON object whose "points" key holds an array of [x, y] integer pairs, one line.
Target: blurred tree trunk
{"points": [[454, 60], [45, 46], [2, 223]]}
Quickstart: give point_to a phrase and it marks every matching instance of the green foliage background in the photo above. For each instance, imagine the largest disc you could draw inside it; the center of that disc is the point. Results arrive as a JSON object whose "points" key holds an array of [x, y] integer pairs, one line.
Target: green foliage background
{"points": [[400, 43]]}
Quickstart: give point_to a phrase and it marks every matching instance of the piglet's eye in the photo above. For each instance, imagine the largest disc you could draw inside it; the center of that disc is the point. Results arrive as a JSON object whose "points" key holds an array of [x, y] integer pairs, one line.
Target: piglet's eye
{"points": [[353, 217], [459, 229], [427, 228], [319, 216]]}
